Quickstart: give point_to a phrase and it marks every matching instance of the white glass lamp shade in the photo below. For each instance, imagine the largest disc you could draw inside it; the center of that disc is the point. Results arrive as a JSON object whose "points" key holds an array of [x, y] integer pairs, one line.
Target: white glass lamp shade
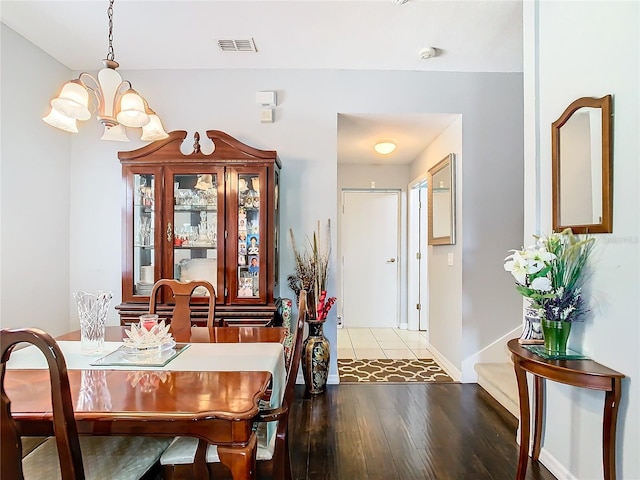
{"points": [[58, 120], [73, 101], [132, 111], [117, 133], [384, 148], [153, 130]]}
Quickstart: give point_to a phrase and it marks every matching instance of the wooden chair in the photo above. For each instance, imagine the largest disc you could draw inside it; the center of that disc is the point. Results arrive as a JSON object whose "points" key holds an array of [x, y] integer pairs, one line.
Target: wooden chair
{"points": [[182, 294], [284, 312], [182, 460], [66, 455]]}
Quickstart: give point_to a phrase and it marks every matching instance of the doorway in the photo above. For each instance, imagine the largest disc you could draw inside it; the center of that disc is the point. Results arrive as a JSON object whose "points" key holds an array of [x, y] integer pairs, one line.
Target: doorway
{"points": [[418, 306], [370, 258]]}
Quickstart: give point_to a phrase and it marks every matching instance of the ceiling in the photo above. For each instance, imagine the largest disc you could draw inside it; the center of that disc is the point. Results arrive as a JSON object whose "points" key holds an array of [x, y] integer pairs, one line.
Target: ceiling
{"points": [[468, 35]]}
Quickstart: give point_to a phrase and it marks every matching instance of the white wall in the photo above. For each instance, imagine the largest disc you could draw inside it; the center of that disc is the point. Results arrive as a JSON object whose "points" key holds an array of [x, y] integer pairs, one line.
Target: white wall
{"points": [[445, 282], [598, 55], [473, 302], [304, 134], [34, 191]]}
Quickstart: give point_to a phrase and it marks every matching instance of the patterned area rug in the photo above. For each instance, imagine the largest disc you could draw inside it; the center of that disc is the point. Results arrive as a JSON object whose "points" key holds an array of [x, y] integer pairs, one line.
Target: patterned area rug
{"points": [[390, 370]]}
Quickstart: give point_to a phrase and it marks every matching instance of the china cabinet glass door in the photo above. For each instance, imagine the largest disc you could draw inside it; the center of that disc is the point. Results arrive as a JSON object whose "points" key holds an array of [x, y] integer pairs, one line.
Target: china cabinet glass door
{"points": [[248, 238], [142, 252], [195, 228]]}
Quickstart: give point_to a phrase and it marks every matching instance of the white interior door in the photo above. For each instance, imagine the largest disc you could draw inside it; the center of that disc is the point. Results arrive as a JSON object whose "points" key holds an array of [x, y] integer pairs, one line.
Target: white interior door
{"points": [[370, 258], [417, 262], [423, 313]]}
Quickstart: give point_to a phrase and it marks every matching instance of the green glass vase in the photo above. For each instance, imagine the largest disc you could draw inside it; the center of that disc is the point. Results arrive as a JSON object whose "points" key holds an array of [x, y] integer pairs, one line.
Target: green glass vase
{"points": [[556, 334]]}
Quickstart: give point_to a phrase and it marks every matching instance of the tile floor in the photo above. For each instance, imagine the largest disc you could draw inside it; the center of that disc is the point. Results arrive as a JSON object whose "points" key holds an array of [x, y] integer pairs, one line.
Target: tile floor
{"points": [[375, 343]]}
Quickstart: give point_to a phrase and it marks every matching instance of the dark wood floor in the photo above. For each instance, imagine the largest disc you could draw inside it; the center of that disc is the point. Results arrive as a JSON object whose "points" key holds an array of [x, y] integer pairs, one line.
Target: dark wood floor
{"points": [[402, 432]]}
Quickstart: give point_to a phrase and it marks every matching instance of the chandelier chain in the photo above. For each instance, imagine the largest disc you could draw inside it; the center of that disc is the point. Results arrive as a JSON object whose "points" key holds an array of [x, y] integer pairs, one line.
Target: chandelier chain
{"points": [[110, 53]]}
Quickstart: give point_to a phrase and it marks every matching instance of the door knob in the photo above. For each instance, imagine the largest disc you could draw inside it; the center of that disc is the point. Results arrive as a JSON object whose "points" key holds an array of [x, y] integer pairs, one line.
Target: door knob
{"points": [[391, 260]]}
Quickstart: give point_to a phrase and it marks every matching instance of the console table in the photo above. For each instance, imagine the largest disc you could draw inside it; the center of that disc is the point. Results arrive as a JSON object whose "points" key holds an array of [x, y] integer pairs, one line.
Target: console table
{"points": [[578, 373]]}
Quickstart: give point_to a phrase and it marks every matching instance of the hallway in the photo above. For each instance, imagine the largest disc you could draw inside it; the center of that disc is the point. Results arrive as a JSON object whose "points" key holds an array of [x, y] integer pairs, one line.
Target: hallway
{"points": [[376, 343]]}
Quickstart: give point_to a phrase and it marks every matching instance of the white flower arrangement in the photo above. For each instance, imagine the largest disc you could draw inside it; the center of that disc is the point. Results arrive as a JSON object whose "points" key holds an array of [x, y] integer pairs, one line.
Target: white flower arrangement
{"points": [[549, 273]]}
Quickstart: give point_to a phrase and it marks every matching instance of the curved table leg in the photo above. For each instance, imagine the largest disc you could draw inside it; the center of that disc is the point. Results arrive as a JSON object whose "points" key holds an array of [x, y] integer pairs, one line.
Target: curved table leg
{"points": [[611, 403], [240, 460], [523, 394], [538, 395]]}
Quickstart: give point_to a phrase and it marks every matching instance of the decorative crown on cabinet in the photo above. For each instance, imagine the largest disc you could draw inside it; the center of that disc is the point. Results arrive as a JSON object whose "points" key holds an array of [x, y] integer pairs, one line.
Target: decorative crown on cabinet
{"points": [[201, 216]]}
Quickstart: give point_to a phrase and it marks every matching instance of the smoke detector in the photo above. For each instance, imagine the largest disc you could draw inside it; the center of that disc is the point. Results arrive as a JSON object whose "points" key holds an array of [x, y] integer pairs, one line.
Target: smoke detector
{"points": [[428, 52]]}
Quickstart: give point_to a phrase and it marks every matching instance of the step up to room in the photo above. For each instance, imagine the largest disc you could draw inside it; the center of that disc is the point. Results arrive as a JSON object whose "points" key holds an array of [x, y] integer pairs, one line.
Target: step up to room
{"points": [[499, 380]]}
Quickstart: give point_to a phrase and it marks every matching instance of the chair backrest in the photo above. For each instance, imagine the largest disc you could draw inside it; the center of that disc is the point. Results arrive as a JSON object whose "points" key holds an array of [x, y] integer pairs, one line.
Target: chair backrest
{"points": [[182, 294], [289, 339], [64, 424], [280, 463], [292, 374]]}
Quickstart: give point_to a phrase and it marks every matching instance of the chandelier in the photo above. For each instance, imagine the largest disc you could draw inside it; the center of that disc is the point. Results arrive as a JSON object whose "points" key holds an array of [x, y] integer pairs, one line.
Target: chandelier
{"points": [[117, 104]]}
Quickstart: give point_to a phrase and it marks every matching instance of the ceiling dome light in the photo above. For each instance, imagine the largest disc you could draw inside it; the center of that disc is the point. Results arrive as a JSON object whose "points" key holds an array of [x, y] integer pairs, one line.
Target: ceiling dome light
{"points": [[385, 147]]}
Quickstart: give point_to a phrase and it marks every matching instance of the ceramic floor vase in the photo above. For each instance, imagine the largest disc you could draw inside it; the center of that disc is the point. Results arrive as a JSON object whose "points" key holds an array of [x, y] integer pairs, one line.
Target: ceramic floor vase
{"points": [[315, 359], [556, 334]]}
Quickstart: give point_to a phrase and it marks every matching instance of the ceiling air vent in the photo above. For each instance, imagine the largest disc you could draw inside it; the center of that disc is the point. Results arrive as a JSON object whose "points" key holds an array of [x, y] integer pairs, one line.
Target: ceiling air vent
{"points": [[237, 45]]}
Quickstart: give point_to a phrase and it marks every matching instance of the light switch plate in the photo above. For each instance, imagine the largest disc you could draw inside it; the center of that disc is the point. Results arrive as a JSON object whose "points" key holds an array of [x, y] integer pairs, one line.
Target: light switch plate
{"points": [[450, 259], [266, 115]]}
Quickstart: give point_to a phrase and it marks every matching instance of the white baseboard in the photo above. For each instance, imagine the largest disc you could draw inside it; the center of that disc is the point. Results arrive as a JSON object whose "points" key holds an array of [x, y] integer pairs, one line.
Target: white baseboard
{"points": [[332, 379], [554, 466], [447, 366], [549, 461]]}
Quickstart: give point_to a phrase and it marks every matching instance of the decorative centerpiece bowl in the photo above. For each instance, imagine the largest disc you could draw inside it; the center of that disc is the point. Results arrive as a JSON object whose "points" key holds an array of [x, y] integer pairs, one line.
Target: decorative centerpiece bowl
{"points": [[140, 338]]}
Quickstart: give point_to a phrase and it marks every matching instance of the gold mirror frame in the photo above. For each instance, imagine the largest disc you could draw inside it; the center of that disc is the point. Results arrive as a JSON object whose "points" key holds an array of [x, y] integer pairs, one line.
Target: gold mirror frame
{"points": [[605, 224], [441, 181]]}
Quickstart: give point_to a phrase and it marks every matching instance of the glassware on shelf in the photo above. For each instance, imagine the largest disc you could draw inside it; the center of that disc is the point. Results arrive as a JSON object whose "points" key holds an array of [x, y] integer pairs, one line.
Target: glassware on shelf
{"points": [[144, 232], [212, 236], [141, 190], [211, 197], [144, 191]]}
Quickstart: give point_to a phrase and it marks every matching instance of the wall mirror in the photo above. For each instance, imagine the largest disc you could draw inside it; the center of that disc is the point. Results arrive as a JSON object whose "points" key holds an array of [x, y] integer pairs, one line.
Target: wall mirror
{"points": [[442, 197], [581, 165]]}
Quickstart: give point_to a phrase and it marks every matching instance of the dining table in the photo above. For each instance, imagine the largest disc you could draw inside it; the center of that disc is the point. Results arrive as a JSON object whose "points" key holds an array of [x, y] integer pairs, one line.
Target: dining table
{"points": [[210, 390]]}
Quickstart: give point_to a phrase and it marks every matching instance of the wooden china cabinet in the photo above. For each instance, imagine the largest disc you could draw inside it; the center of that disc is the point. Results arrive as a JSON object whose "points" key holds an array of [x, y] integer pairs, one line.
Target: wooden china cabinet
{"points": [[201, 216]]}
